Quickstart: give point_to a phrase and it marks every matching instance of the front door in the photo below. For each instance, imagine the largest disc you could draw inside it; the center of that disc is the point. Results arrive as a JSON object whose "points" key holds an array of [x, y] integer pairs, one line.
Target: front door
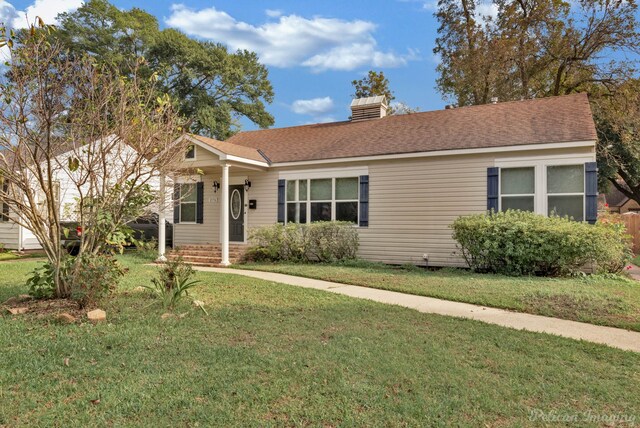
{"points": [[236, 213]]}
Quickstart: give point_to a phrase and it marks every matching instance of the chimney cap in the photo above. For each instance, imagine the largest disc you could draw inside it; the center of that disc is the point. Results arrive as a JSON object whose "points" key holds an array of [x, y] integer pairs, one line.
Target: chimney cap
{"points": [[369, 101]]}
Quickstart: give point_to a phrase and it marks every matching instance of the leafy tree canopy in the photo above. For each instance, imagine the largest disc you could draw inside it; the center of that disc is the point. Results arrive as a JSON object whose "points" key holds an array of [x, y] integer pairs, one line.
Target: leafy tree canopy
{"points": [[376, 83], [214, 88], [539, 48]]}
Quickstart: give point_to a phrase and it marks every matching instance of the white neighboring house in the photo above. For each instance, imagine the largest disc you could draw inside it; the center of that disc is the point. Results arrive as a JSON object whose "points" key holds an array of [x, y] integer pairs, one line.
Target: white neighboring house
{"points": [[16, 237]]}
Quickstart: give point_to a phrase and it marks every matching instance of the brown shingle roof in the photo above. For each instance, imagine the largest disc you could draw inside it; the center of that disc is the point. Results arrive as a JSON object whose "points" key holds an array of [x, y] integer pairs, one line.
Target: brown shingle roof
{"points": [[545, 120], [231, 149]]}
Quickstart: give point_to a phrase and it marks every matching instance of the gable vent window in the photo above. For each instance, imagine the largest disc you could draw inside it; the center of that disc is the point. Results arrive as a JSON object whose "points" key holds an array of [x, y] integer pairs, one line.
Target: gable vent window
{"points": [[517, 189], [191, 152]]}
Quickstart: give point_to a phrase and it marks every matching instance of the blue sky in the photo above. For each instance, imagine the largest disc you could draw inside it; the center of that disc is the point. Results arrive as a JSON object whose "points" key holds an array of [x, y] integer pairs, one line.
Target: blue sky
{"points": [[313, 49]]}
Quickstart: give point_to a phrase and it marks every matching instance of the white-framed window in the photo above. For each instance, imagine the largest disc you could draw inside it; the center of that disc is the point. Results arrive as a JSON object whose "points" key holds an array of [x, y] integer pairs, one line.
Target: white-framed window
{"points": [[188, 202], [545, 188], [518, 188], [565, 191], [191, 152], [322, 199]]}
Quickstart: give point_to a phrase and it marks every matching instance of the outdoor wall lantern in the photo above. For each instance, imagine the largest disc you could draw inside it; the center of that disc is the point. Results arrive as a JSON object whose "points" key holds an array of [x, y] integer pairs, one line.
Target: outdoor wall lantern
{"points": [[216, 186], [247, 185]]}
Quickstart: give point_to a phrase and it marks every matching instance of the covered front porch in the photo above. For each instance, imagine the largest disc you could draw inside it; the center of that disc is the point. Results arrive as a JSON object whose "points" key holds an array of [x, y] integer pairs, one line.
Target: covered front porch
{"points": [[211, 201]]}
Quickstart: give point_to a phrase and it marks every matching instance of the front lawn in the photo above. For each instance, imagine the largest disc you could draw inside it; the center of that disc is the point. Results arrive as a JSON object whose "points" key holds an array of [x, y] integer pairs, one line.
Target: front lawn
{"points": [[600, 300], [275, 355]]}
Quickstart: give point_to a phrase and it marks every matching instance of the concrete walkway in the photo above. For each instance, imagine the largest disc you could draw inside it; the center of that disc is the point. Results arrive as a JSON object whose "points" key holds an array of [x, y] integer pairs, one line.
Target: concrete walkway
{"points": [[615, 337]]}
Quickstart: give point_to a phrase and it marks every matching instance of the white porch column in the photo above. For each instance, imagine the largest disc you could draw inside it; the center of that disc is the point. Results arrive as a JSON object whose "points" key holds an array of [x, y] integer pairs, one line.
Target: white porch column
{"points": [[224, 214], [162, 238]]}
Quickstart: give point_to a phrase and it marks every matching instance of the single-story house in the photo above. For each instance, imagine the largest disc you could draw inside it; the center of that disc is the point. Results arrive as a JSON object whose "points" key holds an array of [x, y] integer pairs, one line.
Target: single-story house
{"points": [[401, 180]]}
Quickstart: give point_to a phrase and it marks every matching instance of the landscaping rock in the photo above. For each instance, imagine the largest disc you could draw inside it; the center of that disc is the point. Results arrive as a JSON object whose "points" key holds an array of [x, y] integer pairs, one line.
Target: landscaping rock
{"points": [[66, 318], [18, 311], [97, 315]]}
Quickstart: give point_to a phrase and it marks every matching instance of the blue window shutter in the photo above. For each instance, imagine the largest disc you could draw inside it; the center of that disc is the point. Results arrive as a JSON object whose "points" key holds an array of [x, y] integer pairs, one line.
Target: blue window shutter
{"points": [[5, 207], [176, 203], [199, 202], [364, 201], [281, 197], [591, 191], [493, 175]]}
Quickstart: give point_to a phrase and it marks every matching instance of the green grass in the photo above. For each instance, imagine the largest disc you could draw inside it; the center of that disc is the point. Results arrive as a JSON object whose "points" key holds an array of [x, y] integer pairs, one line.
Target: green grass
{"points": [[611, 301], [636, 260], [6, 256], [275, 355]]}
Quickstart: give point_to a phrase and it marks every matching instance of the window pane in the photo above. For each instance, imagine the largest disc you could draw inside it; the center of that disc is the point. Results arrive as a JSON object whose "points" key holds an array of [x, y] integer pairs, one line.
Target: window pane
{"points": [[514, 181], [321, 189], [347, 211], [565, 179], [567, 205], [303, 196], [291, 190], [347, 188], [291, 212], [303, 212], [522, 203], [320, 211], [188, 212], [296, 213], [188, 192]]}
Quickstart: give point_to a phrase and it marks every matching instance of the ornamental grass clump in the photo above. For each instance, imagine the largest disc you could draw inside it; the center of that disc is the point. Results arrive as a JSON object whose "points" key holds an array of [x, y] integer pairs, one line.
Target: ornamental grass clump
{"points": [[523, 243]]}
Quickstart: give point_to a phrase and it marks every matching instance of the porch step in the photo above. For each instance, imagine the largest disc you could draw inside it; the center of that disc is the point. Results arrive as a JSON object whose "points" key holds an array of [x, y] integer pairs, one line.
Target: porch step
{"points": [[207, 254]]}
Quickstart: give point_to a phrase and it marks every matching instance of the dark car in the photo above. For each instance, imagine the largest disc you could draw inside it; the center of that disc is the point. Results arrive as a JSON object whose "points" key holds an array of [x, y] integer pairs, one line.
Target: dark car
{"points": [[144, 228]]}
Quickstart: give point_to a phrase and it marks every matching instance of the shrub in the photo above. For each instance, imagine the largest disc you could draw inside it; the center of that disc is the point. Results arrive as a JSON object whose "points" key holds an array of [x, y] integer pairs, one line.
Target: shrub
{"points": [[89, 276], [41, 283], [173, 282], [524, 243], [93, 277], [147, 249], [319, 242]]}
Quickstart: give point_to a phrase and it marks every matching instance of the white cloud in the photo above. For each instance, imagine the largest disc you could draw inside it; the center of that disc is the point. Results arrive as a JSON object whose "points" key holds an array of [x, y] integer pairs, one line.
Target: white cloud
{"points": [[273, 13], [318, 43], [487, 10], [315, 107], [47, 10], [7, 12]]}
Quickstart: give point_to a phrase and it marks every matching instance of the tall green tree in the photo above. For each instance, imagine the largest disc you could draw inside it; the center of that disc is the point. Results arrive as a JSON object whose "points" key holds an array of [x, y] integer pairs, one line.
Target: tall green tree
{"points": [[618, 123], [375, 83], [533, 48], [539, 48], [213, 87]]}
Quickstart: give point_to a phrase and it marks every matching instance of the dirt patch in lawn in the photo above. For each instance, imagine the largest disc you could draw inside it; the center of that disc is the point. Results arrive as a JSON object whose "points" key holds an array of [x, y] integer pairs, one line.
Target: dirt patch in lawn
{"points": [[44, 308], [569, 307]]}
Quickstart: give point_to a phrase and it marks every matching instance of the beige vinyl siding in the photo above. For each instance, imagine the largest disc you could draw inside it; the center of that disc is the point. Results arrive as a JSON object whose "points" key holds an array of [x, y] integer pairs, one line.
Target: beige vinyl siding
{"points": [[209, 231], [412, 202], [9, 235], [264, 189]]}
